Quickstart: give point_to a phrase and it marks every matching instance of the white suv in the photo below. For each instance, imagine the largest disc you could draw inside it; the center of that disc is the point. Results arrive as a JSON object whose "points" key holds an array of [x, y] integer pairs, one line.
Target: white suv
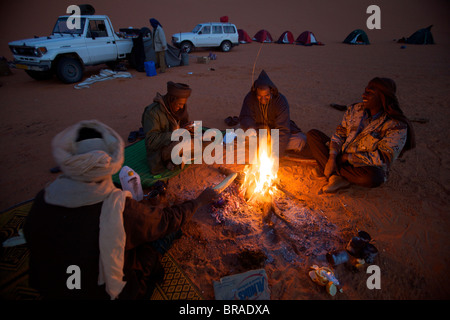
{"points": [[209, 34]]}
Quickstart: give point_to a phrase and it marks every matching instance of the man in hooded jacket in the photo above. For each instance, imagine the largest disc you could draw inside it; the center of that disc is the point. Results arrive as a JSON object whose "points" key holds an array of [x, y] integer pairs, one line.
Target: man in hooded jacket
{"points": [[264, 107], [166, 114]]}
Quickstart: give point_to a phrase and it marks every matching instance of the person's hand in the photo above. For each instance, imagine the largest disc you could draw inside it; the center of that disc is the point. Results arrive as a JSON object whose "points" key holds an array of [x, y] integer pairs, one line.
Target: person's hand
{"points": [[189, 126], [330, 167], [207, 196]]}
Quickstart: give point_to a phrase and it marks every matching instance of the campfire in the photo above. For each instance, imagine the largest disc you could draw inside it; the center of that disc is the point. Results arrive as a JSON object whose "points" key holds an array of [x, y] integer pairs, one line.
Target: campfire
{"points": [[259, 179]]}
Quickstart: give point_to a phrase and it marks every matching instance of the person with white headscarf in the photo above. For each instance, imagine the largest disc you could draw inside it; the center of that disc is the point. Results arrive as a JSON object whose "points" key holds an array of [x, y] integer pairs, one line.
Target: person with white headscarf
{"points": [[81, 221]]}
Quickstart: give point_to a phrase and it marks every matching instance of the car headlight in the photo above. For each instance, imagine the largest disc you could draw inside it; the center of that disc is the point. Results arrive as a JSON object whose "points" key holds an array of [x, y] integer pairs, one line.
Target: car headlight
{"points": [[175, 39], [39, 52]]}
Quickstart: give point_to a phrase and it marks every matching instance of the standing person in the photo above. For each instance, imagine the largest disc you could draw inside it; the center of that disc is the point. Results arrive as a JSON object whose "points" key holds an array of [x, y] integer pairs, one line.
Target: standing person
{"points": [[166, 114], [82, 221], [371, 136], [159, 44], [264, 107]]}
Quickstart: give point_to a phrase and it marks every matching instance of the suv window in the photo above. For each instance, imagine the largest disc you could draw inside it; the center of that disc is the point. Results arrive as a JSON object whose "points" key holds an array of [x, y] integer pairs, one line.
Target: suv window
{"points": [[217, 29], [97, 29], [229, 29], [205, 30]]}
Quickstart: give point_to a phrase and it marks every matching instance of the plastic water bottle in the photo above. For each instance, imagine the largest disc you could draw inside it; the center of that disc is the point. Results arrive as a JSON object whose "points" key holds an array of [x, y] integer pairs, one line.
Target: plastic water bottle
{"points": [[131, 181]]}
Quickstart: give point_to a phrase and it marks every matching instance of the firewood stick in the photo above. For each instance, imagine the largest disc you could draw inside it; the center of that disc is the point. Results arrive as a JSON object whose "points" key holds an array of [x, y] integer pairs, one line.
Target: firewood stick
{"points": [[240, 175], [279, 214], [303, 160], [225, 183], [279, 187]]}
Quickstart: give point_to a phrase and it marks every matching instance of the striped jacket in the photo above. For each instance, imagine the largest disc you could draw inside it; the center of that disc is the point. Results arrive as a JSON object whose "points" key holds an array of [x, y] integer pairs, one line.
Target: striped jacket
{"points": [[376, 142]]}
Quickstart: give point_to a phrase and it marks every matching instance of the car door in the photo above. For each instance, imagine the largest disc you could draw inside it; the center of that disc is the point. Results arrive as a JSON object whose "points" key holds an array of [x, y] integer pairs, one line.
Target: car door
{"points": [[203, 37], [217, 35], [100, 42]]}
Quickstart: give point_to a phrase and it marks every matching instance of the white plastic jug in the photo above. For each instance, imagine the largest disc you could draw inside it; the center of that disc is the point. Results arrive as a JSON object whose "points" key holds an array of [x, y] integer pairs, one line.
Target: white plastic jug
{"points": [[131, 181]]}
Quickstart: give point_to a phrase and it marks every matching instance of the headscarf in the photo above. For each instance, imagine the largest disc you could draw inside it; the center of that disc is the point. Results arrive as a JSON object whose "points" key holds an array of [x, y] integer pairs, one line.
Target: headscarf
{"points": [[179, 90], [155, 23], [386, 89], [176, 91], [88, 164]]}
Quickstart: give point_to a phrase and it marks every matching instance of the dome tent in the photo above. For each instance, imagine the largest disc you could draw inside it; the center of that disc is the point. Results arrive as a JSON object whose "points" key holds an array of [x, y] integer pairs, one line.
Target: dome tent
{"points": [[357, 36], [262, 36], [307, 38], [244, 37], [421, 36], [286, 37]]}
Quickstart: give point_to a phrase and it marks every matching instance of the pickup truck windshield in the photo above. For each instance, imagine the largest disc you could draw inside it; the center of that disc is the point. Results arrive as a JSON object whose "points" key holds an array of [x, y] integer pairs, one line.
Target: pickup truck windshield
{"points": [[61, 27]]}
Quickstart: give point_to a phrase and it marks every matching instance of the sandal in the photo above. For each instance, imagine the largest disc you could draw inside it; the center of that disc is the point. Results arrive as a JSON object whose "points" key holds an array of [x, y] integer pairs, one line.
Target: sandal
{"points": [[339, 107], [141, 133], [232, 121], [132, 137]]}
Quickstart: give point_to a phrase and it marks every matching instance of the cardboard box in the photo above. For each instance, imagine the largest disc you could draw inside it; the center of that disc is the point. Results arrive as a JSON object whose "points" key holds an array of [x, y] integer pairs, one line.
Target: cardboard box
{"points": [[203, 60], [250, 285]]}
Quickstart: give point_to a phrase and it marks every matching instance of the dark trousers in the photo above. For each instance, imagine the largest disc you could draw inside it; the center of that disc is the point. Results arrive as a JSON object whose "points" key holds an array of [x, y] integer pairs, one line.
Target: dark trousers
{"points": [[366, 176], [161, 61]]}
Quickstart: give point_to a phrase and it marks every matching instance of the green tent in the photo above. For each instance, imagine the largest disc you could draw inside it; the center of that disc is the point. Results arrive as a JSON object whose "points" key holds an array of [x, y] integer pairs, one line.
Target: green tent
{"points": [[422, 36], [357, 36]]}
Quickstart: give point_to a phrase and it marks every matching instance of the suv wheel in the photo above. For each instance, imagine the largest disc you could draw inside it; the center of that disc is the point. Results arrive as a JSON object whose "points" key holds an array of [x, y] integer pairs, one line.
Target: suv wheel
{"points": [[186, 46], [225, 46], [69, 70]]}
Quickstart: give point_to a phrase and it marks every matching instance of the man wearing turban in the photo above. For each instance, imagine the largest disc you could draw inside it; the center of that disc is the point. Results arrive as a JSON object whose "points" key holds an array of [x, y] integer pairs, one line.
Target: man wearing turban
{"points": [[82, 223], [159, 44], [371, 136], [166, 114]]}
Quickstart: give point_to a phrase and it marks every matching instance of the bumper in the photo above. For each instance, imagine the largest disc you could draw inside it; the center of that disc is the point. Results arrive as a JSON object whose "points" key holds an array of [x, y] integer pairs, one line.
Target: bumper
{"points": [[34, 66]]}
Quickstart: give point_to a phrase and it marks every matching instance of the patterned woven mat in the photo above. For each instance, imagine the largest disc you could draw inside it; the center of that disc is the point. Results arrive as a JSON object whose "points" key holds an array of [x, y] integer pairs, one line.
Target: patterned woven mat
{"points": [[14, 264], [176, 285]]}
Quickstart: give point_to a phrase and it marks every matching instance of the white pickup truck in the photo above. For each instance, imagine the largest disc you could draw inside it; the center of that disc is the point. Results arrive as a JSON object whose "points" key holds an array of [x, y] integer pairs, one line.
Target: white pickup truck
{"points": [[67, 50]]}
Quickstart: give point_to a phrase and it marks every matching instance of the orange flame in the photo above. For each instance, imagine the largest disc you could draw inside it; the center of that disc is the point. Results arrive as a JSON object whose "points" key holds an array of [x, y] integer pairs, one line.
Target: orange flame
{"points": [[260, 177]]}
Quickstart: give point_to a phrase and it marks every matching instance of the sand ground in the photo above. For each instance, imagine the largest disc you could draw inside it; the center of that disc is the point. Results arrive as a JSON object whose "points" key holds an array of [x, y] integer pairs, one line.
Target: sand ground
{"points": [[408, 216]]}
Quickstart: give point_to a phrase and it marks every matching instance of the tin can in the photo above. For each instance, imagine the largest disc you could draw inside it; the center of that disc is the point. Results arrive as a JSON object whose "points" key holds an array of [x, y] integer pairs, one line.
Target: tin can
{"points": [[337, 257]]}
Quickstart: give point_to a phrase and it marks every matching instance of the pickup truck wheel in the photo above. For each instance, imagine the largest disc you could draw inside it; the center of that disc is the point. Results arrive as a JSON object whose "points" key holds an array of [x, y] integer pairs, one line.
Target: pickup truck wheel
{"points": [[40, 75], [225, 46], [69, 70], [186, 46]]}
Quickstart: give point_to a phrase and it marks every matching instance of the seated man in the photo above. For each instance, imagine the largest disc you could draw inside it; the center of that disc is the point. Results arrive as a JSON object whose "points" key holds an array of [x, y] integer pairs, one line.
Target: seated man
{"points": [[166, 114], [81, 221], [264, 107], [370, 137]]}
